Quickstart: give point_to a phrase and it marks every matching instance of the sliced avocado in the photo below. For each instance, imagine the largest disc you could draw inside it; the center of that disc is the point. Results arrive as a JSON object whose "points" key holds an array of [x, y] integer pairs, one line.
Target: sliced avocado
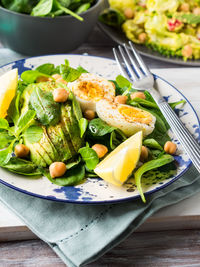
{"points": [[52, 149], [59, 141], [41, 150], [35, 156], [71, 125]]}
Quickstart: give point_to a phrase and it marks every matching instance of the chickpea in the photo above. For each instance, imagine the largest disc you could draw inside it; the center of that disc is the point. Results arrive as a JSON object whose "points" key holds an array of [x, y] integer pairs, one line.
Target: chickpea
{"points": [[144, 154], [138, 95], [142, 37], [101, 150], [121, 99], [42, 79], [128, 13], [196, 11], [185, 7], [187, 51], [89, 114], [57, 169], [60, 95], [21, 151], [170, 147]]}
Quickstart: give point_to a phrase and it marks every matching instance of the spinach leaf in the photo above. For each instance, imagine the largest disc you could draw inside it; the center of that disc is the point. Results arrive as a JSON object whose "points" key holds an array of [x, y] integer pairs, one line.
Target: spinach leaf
{"points": [[66, 10], [97, 128], [6, 154], [116, 138], [71, 177], [152, 164], [24, 121], [76, 107], [21, 166], [43, 8], [83, 123], [46, 68], [174, 104], [13, 111], [123, 82], [84, 7], [30, 76], [89, 156], [152, 143], [73, 164], [5, 139], [112, 17], [47, 110], [33, 134], [145, 103], [4, 124]]}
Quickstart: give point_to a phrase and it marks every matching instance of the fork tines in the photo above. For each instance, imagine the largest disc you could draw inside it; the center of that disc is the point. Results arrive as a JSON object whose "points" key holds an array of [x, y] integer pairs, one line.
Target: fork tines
{"points": [[132, 61]]}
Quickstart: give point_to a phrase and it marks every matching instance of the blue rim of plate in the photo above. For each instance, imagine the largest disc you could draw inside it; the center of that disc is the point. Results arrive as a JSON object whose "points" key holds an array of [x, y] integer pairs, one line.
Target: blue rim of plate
{"points": [[102, 202]]}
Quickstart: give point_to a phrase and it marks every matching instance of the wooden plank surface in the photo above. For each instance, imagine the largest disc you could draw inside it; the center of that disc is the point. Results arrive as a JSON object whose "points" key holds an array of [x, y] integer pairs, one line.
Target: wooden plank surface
{"points": [[161, 248], [166, 248]]}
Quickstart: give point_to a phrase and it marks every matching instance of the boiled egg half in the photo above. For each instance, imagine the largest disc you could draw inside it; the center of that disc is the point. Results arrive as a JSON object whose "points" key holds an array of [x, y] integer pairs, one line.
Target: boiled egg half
{"points": [[90, 88], [127, 118]]}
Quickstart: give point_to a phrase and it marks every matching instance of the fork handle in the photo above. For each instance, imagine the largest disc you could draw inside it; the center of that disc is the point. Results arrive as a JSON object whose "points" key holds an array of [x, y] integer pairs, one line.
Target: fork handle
{"points": [[186, 139]]}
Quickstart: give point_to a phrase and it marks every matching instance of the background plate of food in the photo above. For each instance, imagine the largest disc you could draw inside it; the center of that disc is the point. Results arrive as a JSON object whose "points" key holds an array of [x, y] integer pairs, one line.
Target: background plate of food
{"points": [[48, 121], [168, 31]]}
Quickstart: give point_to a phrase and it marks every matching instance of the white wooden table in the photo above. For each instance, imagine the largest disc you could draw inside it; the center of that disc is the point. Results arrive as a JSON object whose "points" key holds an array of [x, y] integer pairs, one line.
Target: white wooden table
{"points": [[169, 238]]}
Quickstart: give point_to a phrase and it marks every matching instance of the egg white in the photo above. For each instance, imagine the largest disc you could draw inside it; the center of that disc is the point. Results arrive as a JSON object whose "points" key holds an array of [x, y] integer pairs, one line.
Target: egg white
{"points": [[108, 112], [89, 102]]}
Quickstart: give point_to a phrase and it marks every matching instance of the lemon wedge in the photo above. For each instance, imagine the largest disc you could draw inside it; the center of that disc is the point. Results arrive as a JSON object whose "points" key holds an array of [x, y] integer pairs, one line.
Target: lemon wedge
{"points": [[8, 86], [120, 163]]}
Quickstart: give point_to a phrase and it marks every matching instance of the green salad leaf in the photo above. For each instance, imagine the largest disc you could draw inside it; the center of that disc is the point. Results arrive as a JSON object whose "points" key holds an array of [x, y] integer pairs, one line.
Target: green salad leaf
{"points": [[152, 164], [46, 68], [97, 128], [71, 177], [47, 110], [4, 124], [5, 138], [22, 166], [43, 8], [89, 156], [24, 121], [6, 154], [152, 143], [83, 123], [30, 76]]}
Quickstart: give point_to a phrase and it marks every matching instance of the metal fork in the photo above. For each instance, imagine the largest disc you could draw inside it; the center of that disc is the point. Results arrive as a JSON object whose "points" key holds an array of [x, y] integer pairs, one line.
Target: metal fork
{"points": [[134, 69]]}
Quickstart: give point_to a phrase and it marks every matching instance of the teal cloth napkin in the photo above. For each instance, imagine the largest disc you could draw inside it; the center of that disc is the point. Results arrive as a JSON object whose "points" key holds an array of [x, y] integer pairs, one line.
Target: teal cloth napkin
{"points": [[80, 234]]}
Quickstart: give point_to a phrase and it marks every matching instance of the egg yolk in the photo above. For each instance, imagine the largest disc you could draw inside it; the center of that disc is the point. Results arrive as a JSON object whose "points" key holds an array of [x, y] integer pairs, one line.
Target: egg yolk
{"points": [[90, 91], [134, 115]]}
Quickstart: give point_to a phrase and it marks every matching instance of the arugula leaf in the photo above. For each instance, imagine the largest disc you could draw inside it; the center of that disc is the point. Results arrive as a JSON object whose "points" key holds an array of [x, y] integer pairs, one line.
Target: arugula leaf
{"points": [[71, 177], [6, 154], [33, 134], [4, 124], [24, 121], [47, 110], [30, 76], [89, 156], [5, 139], [83, 123], [43, 8], [152, 164], [21, 166], [152, 143]]}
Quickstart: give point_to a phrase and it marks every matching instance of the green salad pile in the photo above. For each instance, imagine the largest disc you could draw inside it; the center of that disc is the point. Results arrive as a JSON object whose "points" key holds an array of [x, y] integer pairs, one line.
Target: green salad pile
{"points": [[58, 132], [171, 27], [50, 8]]}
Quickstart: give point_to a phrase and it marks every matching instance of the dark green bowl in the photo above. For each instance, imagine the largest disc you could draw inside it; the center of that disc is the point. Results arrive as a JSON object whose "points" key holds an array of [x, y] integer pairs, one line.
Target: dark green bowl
{"points": [[35, 35]]}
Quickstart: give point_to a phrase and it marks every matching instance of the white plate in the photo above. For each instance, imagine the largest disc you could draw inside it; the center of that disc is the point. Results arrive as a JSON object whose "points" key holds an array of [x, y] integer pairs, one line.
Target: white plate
{"points": [[97, 191]]}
